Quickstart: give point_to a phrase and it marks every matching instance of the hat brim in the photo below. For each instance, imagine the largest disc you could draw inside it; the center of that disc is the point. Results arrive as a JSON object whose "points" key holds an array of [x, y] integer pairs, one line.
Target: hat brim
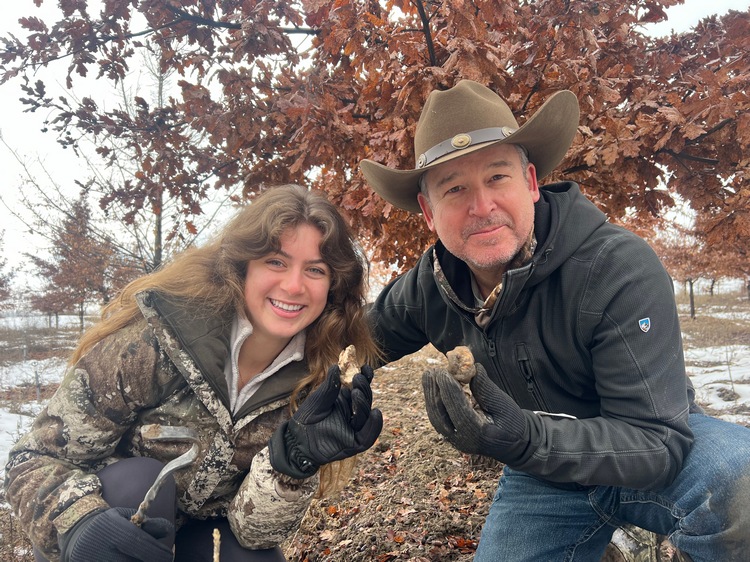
{"points": [[546, 136]]}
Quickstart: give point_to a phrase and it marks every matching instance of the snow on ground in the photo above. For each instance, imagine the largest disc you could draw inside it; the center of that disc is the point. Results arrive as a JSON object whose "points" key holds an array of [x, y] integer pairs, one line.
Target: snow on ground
{"points": [[16, 423], [31, 373], [721, 377]]}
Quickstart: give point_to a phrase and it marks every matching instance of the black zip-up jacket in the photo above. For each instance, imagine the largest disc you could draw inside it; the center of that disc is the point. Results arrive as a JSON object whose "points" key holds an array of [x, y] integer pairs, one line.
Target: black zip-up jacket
{"points": [[585, 338]]}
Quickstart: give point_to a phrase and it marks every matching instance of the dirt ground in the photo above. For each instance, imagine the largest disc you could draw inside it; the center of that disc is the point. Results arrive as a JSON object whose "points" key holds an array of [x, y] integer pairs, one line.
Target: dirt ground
{"points": [[413, 496]]}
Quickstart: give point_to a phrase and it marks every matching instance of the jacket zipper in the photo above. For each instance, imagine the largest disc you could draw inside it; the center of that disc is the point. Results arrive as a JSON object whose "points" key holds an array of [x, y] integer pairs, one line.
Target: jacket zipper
{"points": [[524, 364], [500, 379]]}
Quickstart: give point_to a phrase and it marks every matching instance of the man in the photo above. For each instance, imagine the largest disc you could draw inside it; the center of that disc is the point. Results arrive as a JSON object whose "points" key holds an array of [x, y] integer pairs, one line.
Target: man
{"points": [[574, 329]]}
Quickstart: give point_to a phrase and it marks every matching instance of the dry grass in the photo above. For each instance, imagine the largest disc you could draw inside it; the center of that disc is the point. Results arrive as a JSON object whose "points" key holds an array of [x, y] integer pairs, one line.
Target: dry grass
{"points": [[14, 544], [35, 343], [719, 320]]}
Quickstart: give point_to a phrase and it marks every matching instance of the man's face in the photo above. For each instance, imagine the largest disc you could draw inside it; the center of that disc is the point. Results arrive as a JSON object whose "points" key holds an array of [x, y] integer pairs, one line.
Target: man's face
{"points": [[482, 207]]}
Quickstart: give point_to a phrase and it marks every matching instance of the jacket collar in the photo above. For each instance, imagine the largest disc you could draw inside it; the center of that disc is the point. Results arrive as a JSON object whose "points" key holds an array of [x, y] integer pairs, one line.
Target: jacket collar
{"points": [[241, 330], [205, 339]]}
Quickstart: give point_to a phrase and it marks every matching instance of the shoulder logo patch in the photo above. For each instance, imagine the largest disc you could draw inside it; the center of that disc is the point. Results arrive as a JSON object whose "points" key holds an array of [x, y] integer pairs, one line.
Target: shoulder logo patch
{"points": [[645, 324]]}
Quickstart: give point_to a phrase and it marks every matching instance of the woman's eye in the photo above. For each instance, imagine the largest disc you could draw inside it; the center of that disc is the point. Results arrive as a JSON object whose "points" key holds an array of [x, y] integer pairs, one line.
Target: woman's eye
{"points": [[319, 271], [275, 262]]}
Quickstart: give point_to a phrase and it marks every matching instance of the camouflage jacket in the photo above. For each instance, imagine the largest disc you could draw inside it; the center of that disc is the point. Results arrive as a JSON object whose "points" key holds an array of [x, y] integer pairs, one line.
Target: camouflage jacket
{"points": [[165, 369]]}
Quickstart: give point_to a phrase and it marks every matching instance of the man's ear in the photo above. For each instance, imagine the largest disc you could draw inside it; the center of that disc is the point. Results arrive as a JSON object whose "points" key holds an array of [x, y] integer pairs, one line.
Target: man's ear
{"points": [[424, 204], [533, 182]]}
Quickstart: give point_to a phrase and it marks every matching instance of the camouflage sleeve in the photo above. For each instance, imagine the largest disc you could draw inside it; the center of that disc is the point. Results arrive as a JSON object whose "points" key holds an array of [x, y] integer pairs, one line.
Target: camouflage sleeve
{"points": [[50, 479], [269, 506]]}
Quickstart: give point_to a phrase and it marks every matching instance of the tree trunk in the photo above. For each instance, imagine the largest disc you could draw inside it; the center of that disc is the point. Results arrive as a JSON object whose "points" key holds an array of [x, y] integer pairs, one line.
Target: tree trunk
{"points": [[158, 243], [692, 299]]}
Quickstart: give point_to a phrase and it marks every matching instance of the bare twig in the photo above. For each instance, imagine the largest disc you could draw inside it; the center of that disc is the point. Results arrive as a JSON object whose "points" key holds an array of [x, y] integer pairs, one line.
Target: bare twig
{"points": [[217, 544]]}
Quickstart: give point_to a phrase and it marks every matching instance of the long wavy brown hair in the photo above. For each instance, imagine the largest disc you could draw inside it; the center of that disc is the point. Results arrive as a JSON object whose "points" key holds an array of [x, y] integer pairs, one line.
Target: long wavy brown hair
{"points": [[213, 277]]}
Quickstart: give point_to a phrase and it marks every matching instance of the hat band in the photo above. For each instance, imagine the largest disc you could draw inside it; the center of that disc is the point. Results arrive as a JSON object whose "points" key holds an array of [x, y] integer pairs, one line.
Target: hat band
{"points": [[462, 141]]}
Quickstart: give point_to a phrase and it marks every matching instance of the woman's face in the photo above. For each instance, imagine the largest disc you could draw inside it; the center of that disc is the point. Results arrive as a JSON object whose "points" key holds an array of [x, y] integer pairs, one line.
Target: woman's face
{"points": [[286, 291]]}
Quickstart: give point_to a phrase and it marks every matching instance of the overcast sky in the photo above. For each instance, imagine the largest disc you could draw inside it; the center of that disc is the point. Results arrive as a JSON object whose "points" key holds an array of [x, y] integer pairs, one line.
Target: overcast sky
{"points": [[22, 131]]}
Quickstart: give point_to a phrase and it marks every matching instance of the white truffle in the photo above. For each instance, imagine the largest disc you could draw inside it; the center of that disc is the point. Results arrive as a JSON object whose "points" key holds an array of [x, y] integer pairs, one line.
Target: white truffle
{"points": [[461, 364], [348, 365]]}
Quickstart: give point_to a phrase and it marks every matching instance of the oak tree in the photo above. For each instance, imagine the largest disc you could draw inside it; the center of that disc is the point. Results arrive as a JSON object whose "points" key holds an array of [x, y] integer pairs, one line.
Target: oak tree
{"points": [[272, 92]]}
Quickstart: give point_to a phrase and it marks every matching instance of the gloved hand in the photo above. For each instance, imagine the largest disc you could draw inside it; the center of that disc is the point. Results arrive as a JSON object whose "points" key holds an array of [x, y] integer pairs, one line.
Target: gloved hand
{"points": [[110, 536], [502, 427], [333, 423]]}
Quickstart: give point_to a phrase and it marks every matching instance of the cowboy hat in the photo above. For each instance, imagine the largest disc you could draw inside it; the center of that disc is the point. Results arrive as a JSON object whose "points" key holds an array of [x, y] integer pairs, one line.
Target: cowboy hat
{"points": [[470, 117]]}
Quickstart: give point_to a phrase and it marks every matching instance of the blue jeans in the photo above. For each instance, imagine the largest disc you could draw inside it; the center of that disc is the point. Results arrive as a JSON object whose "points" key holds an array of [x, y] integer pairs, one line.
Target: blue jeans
{"points": [[704, 512]]}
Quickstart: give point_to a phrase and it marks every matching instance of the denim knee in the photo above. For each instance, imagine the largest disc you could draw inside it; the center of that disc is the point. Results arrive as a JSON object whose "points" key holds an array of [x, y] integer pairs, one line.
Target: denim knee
{"points": [[714, 491]]}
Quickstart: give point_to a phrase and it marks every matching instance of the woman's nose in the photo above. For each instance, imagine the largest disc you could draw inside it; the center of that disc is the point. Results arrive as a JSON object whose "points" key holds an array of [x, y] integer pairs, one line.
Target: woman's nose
{"points": [[292, 282]]}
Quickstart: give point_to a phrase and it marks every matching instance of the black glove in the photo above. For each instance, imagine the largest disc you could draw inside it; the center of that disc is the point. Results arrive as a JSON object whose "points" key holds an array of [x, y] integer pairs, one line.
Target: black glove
{"points": [[501, 427], [110, 536], [333, 423]]}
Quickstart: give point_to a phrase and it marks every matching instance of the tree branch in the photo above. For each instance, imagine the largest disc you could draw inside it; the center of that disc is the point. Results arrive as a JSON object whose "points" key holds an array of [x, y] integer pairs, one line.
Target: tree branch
{"points": [[711, 131], [679, 156], [229, 25], [103, 39], [426, 31], [181, 17]]}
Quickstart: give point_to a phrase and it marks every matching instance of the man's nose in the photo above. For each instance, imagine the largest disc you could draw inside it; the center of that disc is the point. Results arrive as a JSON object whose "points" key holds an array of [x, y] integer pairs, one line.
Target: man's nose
{"points": [[482, 203]]}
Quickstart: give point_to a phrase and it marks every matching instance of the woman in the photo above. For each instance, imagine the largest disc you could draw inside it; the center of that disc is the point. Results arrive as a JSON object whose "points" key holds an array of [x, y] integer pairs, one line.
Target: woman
{"points": [[226, 339]]}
